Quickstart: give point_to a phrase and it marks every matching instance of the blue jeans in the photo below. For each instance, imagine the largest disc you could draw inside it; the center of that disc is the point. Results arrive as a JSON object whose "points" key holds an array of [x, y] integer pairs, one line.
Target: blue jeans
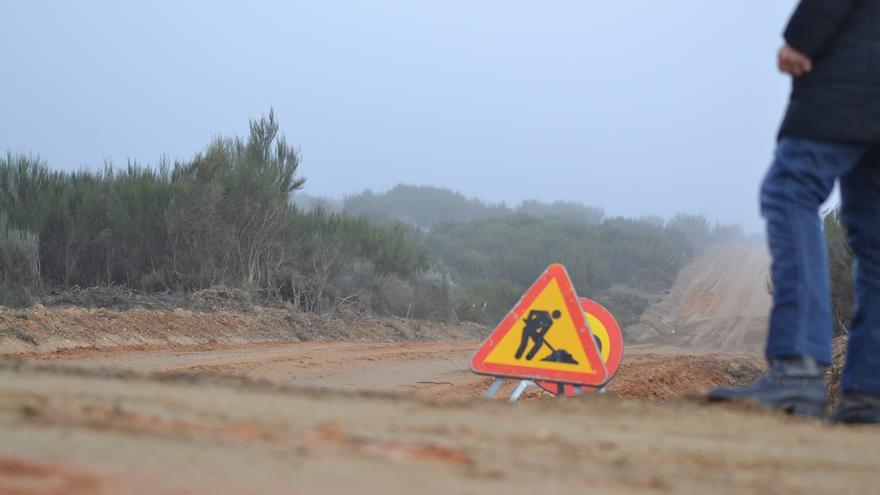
{"points": [[799, 181]]}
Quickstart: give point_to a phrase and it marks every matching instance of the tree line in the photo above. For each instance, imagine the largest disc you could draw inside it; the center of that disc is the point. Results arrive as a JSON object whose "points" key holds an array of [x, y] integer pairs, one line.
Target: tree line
{"points": [[227, 217], [425, 206], [222, 218]]}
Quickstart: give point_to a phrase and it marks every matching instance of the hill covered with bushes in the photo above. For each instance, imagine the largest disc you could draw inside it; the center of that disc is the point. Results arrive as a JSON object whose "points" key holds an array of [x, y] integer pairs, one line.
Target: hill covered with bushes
{"points": [[228, 217], [222, 218], [425, 206]]}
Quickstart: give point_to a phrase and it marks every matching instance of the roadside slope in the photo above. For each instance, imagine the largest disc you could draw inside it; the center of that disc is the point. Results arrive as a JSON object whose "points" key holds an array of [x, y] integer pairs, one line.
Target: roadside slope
{"points": [[719, 302], [43, 329]]}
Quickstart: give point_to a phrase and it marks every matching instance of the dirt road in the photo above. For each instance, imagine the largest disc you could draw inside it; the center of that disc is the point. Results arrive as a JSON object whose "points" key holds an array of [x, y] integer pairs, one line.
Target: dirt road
{"points": [[430, 367], [254, 401], [424, 369], [719, 302], [344, 417]]}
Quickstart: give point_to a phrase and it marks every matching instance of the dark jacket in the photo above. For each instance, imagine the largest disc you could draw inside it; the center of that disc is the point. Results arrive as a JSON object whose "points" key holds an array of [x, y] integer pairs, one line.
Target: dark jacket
{"points": [[840, 99]]}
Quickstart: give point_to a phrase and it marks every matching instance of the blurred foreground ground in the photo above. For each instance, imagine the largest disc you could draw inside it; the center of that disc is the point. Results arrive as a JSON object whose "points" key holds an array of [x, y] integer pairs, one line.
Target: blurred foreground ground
{"points": [[269, 400], [69, 427]]}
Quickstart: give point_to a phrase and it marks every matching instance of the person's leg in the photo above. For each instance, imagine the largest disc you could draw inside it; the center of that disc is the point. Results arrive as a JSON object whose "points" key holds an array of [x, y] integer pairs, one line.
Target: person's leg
{"points": [[800, 179], [860, 212], [799, 341]]}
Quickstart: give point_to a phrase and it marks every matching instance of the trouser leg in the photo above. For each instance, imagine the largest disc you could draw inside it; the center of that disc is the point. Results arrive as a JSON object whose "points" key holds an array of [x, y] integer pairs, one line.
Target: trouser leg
{"points": [[860, 212], [800, 179]]}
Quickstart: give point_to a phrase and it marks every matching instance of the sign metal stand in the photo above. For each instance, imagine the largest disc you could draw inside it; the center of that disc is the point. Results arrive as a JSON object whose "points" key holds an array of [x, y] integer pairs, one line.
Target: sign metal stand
{"points": [[523, 385], [496, 386], [493, 389]]}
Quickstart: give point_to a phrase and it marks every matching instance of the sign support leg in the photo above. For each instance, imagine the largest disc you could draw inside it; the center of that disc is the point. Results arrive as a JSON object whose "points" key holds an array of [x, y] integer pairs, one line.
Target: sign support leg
{"points": [[520, 389], [493, 389]]}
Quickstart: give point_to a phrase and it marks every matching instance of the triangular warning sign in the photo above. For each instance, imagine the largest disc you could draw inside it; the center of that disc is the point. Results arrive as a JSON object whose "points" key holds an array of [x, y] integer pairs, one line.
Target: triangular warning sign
{"points": [[544, 337]]}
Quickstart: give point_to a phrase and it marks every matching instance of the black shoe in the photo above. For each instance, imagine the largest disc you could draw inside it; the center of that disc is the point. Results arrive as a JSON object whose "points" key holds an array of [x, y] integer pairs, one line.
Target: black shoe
{"points": [[857, 409], [796, 386]]}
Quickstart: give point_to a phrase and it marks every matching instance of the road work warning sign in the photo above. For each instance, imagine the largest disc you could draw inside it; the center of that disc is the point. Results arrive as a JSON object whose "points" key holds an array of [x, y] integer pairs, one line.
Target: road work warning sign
{"points": [[545, 337], [609, 339]]}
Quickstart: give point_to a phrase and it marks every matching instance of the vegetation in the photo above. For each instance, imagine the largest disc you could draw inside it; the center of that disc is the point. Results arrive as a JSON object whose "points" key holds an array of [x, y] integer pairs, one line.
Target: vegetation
{"points": [[701, 234], [497, 259], [493, 252], [425, 206], [228, 217], [222, 218], [841, 270], [19, 264], [840, 258]]}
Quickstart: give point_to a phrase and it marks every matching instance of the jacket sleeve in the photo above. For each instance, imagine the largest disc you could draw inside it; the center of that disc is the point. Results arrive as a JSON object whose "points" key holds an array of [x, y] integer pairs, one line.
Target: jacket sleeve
{"points": [[815, 23]]}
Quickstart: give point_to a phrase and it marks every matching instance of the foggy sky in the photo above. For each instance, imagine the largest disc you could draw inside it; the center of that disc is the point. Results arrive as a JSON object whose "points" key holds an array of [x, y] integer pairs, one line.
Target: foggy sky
{"points": [[638, 107]]}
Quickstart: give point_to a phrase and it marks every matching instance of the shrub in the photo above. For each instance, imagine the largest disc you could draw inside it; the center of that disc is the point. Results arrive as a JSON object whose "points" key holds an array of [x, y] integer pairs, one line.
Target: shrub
{"points": [[19, 265], [841, 271], [425, 206], [224, 218], [494, 261], [227, 218]]}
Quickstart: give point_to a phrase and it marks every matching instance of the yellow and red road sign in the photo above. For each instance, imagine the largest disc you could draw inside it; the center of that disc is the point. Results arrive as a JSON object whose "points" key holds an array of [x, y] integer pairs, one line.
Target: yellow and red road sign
{"points": [[545, 337], [610, 341]]}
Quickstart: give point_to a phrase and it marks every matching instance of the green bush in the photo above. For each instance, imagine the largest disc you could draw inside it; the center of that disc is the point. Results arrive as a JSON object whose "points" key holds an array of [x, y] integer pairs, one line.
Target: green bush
{"points": [[486, 302], [19, 265], [701, 234], [425, 206], [223, 218], [840, 265], [495, 260], [841, 271], [227, 218]]}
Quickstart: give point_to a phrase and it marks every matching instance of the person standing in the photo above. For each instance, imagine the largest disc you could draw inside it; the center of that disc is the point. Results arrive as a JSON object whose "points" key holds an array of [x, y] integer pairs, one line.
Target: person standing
{"points": [[831, 131]]}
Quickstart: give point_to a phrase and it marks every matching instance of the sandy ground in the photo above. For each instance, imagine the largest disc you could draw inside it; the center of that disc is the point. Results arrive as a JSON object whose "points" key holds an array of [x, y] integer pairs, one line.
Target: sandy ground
{"points": [[423, 369], [75, 431], [258, 400]]}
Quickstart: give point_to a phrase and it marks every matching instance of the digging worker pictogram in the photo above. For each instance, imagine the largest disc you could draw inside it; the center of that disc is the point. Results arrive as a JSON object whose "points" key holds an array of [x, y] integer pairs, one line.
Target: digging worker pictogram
{"points": [[545, 337], [537, 324]]}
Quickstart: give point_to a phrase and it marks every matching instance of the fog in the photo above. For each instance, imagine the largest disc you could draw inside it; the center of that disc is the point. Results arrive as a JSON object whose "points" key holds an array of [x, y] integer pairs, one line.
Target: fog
{"points": [[636, 107]]}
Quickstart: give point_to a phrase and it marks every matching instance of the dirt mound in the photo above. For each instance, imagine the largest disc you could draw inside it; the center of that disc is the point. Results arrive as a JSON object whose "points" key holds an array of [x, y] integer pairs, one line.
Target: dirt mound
{"points": [[43, 329], [121, 298], [718, 302], [663, 376]]}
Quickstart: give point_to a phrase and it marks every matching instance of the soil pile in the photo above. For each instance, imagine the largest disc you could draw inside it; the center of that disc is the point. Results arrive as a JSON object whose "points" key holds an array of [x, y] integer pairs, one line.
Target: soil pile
{"points": [[42, 329]]}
